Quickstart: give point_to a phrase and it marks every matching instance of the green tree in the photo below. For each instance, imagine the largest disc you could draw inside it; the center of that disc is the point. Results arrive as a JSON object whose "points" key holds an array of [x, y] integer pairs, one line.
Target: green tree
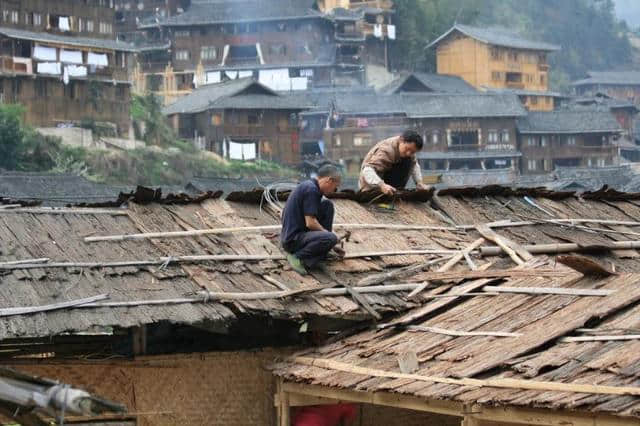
{"points": [[11, 136], [147, 110]]}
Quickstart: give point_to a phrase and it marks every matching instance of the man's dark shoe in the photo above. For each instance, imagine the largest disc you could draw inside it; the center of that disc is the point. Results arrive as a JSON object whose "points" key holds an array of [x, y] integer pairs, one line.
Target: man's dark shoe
{"points": [[296, 264]]}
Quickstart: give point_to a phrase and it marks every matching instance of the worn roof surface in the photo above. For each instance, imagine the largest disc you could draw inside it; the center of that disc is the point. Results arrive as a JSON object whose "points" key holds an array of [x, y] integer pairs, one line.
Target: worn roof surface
{"points": [[67, 40], [585, 121], [497, 37], [429, 83], [610, 77], [235, 11], [536, 353]]}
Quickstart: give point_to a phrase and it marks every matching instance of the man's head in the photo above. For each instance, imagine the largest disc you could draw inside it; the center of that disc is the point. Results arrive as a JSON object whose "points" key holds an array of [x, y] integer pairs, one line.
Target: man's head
{"points": [[410, 143], [329, 179]]}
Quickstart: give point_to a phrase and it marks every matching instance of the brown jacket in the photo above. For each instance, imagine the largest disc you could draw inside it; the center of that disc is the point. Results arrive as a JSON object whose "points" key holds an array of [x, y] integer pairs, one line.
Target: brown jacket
{"points": [[381, 158]]}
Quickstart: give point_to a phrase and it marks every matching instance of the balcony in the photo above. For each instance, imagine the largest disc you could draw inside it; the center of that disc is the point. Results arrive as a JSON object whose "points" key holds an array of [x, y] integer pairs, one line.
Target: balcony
{"points": [[11, 64]]}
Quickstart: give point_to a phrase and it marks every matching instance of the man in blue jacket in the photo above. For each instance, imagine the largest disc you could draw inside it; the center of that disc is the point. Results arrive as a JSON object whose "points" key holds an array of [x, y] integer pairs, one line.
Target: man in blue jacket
{"points": [[307, 220]]}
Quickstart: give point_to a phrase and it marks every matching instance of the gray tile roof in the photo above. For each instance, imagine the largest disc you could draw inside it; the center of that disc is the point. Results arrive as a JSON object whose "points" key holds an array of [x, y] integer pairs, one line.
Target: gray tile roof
{"points": [[43, 37], [234, 11], [497, 37], [244, 93], [586, 121], [622, 78], [342, 14], [523, 92], [431, 83], [433, 105]]}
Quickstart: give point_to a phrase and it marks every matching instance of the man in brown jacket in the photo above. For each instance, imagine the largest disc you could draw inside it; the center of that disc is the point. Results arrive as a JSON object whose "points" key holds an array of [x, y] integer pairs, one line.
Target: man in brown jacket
{"points": [[390, 163]]}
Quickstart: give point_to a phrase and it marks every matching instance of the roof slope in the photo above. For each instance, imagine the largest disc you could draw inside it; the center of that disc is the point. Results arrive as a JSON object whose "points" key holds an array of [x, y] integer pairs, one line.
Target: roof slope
{"points": [[433, 105], [234, 11], [541, 320], [584, 121], [610, 77], [68, 40], [428, 83], [496, 37]]}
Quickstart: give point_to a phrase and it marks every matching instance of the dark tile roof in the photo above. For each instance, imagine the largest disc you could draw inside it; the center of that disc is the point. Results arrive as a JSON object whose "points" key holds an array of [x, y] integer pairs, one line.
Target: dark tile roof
{"points": [[497, 37], [433, 105], [232, 11], [621, 78], [342, 14], [523, 92], [586, 121], [43, 37], [430, 82]]}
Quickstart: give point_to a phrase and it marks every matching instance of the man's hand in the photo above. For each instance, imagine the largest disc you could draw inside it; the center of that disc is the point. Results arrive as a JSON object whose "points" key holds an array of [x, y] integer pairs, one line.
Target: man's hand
{"points": [[387, 189], [423, 187], [339, 251]]}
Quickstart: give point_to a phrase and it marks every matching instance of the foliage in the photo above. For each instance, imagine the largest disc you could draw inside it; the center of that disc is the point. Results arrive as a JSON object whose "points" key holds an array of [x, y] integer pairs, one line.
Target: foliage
{"points": [[11, 136], [147, 110], [588, 31]]}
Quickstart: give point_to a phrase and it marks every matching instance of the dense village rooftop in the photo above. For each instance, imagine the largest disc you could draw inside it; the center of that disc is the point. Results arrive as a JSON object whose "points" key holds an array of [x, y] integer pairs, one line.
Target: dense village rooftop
{"points": [[496, 37], [43, 37], [424, 82], [582, 121], [610, 77]]}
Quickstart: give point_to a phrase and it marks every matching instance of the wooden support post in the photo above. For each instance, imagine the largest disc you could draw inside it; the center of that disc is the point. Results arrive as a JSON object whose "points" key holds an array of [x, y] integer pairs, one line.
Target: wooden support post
{"points": [[283, 406], [139, 340]]}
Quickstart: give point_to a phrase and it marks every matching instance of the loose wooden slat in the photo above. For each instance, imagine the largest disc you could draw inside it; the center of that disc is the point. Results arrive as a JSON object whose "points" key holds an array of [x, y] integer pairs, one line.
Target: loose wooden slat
{"points": [[450, 264], [446, 332], [45, 210], [573, 339], [397, 273], [566, 248], [504, 383], [549, 290], [515, 252]]}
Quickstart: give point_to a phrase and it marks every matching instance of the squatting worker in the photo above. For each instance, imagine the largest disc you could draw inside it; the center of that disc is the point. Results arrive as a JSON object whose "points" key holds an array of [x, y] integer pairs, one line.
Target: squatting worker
{"points": [[391, 162], [307, 221]]}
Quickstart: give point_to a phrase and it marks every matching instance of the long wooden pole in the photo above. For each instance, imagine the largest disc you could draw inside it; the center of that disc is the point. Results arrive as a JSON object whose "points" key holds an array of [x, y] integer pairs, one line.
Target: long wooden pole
{"points": [[564, 248], [503, 383]]}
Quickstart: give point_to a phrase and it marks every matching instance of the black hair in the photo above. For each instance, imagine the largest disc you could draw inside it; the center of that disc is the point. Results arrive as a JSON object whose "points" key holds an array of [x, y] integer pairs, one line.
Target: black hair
{"points": [[411, 136], [329, 170]]}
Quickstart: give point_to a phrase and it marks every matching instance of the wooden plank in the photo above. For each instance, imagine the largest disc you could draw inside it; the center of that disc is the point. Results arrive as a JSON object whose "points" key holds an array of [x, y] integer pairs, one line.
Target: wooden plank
{"points": [[45, 210], [549, 290], [585, 266], [515, 251], [566, 248], [503, 383], [4, 312], [397, 273], [450, 264], [446, 332]]}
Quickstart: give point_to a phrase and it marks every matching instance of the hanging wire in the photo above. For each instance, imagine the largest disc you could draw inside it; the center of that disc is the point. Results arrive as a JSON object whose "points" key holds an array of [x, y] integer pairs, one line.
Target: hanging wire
{"points": [[270, 194]]}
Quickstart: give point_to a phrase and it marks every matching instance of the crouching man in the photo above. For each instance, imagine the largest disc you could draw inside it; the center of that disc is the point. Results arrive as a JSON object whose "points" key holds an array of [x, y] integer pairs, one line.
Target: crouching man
{"points": [[391, 162], [307, 221]]}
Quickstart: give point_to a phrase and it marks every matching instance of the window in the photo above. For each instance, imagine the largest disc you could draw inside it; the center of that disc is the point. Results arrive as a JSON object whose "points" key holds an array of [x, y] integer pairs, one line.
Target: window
{"points": [[14, 16], [361, 139], [37, 19], [543, 141], [80, 25], [281, 27], [253, 119], [543, 79], [105, 28], [337, 141], [513, 56], [532, 165], [534, 100], [571, 140], [89, 25], [505, 136], [531, 141], [496, 54], [182, 55], [492, 136], [208, 53], [121, 92], [496, 76], [182, 34]]}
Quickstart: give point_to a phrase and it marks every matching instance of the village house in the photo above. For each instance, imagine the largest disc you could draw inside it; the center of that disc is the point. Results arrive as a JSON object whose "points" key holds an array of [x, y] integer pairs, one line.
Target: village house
{"points": [[288, 46], [497, 60], [126, 301], [624, 85], [469, 136], [241, 120], [61, 61], [568, 138], [129, 14]]}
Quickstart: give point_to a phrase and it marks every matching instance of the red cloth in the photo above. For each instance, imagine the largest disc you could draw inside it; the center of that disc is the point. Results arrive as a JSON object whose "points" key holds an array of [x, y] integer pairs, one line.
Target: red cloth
{"points": [[325, 415]]}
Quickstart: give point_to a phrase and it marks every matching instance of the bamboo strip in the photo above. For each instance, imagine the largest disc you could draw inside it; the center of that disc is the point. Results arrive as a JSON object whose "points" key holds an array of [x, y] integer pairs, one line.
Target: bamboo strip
{"points": [[564, 248], [46, 210], [549, 290], [456, 333], [598, 338], [25, 261], [503, 383], [4, 312]]}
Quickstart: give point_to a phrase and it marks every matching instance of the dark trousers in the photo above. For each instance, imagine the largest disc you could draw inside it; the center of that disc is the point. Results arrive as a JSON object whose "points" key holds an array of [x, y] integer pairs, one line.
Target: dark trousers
{"points": [[399, 174], [313, 246]]}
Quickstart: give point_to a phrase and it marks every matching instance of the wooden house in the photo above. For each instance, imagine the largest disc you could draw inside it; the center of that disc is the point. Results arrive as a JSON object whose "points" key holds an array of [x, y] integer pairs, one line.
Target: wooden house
{"points": [[623, 85], [241, 120], [568, 138], [62, 63], [495, 59]]}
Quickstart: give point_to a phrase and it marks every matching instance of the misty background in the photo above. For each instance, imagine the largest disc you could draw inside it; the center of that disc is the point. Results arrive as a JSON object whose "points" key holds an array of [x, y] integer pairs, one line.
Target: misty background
{"points": [[629, 10]]}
